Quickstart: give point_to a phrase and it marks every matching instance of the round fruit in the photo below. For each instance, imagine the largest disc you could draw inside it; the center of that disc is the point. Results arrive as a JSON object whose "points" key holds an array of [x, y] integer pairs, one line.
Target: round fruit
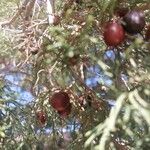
{"points": [[41, 117], [60, 101], [113, 34], [65, 112], [134, 22], [147, 36]]}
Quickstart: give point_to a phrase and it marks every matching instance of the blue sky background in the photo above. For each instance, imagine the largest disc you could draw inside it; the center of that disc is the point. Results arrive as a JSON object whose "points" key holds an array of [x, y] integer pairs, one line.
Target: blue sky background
{"points": [[94, 77]]}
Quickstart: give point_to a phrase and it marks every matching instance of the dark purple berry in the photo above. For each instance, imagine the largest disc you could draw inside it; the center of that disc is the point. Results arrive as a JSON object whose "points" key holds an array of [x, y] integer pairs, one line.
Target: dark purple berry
{"points": [[134, 22]]}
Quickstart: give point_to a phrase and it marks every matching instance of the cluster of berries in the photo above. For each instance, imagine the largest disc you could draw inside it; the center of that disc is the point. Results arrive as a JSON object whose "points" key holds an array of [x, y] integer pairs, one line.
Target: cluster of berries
{"points": [[60, 101], [132, 22]]}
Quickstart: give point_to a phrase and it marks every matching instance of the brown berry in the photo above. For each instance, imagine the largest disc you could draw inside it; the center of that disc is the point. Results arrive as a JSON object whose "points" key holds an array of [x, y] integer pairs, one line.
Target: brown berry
{"points": [[65, 112], [60, 101], [113, 34]]}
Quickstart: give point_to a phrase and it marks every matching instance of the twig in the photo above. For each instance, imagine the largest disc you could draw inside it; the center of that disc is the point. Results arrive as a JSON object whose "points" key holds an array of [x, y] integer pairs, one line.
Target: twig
{"points": [[143, 7], [126, 84], [22, 64], [29, 9], [38, 77], [20, 10], [50, 11], [111, 121], [12, 19]]}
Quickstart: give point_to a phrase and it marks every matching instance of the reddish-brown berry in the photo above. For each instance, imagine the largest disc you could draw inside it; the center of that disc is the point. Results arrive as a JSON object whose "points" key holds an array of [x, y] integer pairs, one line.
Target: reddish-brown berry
{"points": [[60, 101], [113, 34], [65, 112]]}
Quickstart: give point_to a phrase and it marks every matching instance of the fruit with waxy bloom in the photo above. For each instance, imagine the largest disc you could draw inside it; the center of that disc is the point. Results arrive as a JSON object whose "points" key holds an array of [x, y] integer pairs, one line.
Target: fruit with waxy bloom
{"points": [[60, 101], [113, 34], [41, 117], [134, 22]]}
